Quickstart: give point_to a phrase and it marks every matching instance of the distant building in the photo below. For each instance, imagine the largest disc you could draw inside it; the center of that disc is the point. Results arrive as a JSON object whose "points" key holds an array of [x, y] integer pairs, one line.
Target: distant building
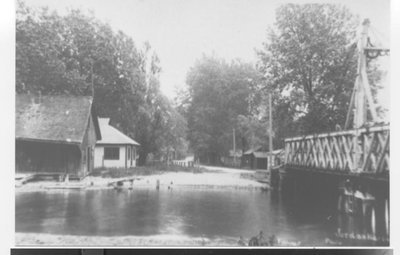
{"points": [[115, 149], [55, 134], [256, 158], [233, 159]]}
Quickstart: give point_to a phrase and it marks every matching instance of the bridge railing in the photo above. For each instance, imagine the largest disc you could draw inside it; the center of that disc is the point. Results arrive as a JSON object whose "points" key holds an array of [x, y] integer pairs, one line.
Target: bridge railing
{"points": [[363, 150]]}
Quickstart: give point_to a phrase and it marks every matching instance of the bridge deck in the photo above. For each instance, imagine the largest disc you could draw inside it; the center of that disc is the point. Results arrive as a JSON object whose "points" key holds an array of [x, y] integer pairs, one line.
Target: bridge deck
{"points": [[362, 151]]}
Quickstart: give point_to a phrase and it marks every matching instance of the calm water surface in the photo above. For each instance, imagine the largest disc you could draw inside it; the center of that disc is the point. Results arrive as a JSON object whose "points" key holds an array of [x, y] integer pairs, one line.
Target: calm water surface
{"points": [[212, 213]]}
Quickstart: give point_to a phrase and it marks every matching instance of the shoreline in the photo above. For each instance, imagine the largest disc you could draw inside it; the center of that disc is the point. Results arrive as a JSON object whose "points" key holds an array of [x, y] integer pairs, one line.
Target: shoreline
{"points": [[34, 239], [214, 179], [38, 239]]}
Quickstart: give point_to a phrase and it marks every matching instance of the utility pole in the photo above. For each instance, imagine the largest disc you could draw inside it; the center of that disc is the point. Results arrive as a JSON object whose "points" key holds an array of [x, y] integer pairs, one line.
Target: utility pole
{"points": [[234, 147], [270, 133]]}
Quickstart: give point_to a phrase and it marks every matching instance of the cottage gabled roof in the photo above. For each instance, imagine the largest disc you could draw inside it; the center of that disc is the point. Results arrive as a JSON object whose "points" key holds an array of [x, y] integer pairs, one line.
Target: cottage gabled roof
{"points": [[60, 119], [111, 135]]}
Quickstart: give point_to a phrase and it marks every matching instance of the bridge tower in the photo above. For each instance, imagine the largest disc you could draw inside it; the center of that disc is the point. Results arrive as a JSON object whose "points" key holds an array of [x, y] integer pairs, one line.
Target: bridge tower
{"points": [[362, 105]]}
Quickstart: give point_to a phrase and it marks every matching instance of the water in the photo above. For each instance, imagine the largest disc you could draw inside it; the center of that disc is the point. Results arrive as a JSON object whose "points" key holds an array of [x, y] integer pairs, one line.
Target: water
{"points": [[189, 212]]}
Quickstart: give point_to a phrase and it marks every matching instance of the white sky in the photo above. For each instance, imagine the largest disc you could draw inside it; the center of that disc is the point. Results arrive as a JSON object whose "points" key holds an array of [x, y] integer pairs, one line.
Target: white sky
{"points": [[180, 31]]}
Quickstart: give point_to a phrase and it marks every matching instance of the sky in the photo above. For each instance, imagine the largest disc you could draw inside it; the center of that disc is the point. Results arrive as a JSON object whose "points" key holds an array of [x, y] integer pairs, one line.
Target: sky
{"points": [[181, 31]]}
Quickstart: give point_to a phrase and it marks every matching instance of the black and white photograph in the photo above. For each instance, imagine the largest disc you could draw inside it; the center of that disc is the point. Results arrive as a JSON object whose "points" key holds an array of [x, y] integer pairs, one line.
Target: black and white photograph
{"points": [[188, 123], [198, 252]]}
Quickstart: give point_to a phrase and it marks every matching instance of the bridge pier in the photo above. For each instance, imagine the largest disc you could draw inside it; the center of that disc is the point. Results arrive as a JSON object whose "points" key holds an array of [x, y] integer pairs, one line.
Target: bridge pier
{"points": [[359, 205], [275, 179]]}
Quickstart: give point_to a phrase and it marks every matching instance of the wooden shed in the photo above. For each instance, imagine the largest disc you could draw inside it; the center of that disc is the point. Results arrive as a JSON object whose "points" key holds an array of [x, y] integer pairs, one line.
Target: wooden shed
{"points": [[256, 158], [55, 134]]}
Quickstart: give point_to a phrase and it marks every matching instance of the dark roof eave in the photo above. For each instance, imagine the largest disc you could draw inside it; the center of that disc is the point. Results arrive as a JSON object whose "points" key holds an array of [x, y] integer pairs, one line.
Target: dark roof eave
{"points": [[95, 122], [78, 143]]}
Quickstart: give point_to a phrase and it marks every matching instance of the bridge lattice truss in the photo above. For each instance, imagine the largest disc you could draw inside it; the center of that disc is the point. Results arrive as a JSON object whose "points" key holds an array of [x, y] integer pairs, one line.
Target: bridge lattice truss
{"points": [[364, 150]]}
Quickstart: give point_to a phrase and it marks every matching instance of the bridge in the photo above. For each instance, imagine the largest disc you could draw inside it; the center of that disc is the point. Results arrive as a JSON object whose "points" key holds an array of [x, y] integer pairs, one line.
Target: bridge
{"points": [[355, 152], [350, 167], [363, 148]]}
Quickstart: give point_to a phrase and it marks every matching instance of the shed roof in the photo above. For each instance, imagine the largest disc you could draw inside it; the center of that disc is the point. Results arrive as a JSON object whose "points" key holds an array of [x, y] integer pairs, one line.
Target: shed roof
{"points": [[250, 151], [261, 154], [60, 119], [111, 135], [264, 154]]}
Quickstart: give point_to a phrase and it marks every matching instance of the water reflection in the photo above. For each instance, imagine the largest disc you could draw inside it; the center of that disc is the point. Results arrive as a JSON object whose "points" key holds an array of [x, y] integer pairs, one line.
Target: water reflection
{"points": [[179, 212]]}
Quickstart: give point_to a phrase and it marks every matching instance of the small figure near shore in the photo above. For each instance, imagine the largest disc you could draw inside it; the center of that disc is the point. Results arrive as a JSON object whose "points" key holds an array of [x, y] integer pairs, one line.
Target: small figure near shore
{"points": [[203, 240], [258, 240], [241, 241], [261, 239], [253, 241], [331, 242], [273, 241], [118, 186]]}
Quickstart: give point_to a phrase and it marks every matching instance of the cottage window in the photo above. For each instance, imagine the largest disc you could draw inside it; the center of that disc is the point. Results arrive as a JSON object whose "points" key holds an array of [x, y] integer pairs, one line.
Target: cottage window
{"points": [[111, 153], [129, 153]]}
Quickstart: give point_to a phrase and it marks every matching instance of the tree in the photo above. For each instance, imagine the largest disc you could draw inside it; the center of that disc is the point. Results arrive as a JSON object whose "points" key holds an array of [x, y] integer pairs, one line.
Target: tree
{"points": [[218, 93], [77, 54], [310, 64], [44, 56], [253, 131]]}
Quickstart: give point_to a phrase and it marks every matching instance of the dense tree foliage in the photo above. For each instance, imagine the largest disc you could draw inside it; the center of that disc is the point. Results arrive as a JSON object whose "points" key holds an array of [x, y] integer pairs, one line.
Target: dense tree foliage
{"points": [[309, 62], [77, 54], [217, 93]]}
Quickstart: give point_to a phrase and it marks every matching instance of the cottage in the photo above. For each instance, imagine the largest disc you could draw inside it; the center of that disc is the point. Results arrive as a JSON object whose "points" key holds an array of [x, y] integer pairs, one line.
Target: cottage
{"points": [[55, 134], [115, 149], [256, 158]]}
